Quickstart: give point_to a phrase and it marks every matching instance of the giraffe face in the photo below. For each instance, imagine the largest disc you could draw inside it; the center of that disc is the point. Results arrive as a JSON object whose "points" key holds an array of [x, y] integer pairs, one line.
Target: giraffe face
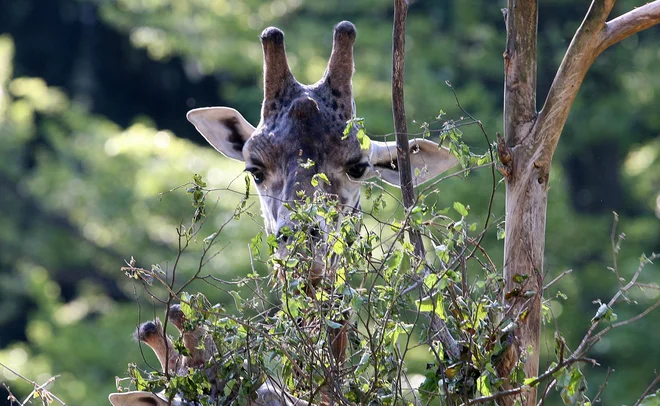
{"points": [[300, 138]]}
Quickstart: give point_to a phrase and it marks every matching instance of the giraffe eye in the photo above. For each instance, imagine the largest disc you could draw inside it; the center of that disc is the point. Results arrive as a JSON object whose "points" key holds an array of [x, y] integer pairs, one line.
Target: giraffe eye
{"points": [[257, 174], [357, 171]]}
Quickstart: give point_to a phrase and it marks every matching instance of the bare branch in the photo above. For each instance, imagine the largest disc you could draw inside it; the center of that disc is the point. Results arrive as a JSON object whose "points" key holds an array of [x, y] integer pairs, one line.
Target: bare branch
{"points": [[624, 322], [499, 395], [592, 38], [630, 23], [633, 281], [526, 388], [581, 53], [648, 389], [436, 325], [602, 387], [399, 115], [11, 398], [561, 275], [616, 244], [39, 389]]}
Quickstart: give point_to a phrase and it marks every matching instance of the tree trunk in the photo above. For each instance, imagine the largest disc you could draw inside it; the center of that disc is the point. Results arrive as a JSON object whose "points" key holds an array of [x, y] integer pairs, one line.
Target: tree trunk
{"points": [[526, 203], [526, 152], [526, 190]]}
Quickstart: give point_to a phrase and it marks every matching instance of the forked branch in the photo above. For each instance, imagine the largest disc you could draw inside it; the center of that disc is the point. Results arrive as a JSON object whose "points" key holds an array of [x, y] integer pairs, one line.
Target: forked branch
{"points": [[593, 37]]}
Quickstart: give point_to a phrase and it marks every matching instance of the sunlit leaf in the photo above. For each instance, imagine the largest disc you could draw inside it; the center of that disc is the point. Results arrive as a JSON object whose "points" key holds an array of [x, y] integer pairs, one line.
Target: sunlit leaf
{"points": [[460, 208]]}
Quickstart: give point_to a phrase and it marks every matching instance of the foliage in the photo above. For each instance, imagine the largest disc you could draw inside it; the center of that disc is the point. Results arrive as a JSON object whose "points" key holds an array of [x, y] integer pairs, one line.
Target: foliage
{"points": [[394, 306], [93, 195]]}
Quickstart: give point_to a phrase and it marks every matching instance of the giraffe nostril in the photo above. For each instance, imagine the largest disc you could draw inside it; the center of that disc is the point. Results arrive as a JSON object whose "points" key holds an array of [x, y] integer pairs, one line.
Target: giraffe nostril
{"points": [[315, 233], [282, 237]]}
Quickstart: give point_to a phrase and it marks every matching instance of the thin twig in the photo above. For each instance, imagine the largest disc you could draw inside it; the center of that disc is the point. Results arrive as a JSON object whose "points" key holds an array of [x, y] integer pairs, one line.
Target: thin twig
{"points": [[624, 322], [602, 387], [40, 389], [648, 389], [616, 244], [561, 275]]}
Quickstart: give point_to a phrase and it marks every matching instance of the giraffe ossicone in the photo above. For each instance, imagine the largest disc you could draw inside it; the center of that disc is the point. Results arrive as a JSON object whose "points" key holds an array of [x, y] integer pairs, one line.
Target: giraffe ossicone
{"points": [[299, 124]]}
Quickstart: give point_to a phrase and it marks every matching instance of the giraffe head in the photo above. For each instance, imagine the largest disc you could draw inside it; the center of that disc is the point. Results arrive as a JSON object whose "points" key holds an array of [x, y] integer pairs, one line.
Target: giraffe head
{"points": [[301, 134]]}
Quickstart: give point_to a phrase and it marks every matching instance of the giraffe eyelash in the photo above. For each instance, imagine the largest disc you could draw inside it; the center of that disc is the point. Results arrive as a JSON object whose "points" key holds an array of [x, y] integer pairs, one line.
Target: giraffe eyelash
{"points": [[257, 174]]}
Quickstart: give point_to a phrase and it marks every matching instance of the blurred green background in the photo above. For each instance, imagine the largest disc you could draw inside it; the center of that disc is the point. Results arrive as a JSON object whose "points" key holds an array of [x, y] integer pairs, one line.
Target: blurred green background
{"points": [[93, 96]]}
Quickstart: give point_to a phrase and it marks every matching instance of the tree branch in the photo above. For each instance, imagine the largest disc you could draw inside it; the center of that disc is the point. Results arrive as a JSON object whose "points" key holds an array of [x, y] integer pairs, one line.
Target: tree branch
{"points": [[581, 53], [592, 38], [630, 23], [399, 115], [648, 389], [437, 327]]}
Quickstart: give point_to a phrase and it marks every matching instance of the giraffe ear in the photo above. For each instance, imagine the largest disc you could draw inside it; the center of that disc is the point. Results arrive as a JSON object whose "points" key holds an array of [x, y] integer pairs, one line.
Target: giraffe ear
{"points": [[224, 128], [427, 160], [136, 398]]}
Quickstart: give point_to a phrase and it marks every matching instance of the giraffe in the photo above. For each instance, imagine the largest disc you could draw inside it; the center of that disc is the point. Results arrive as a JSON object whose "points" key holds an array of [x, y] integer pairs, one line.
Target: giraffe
{"points": [[302, 123], [151, 333], [306, 123]]}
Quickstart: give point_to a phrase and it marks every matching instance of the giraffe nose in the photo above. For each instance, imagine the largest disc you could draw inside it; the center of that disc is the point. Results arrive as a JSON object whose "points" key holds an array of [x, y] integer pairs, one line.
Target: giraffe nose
{"points": [[315, 233]]}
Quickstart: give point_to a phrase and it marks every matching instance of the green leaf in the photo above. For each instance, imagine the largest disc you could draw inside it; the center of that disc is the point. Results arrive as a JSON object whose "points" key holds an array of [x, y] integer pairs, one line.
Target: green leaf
{"points": [[140, 382], [427, 305], [651, 400], [293, 305], [185, 305], [430, 280], [348, 128], [255, 244], [292, 262], [392, 264], [307, 164], [442, 251], [229, 386], [364, 140], [338, 247], [271, 240], [208, 240], [483, 385], [237, 299], [563, 377], [519, 278], [198, 180], [321, 176], [501, 232], [572, 391], [460, 208], [364, 362]]}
